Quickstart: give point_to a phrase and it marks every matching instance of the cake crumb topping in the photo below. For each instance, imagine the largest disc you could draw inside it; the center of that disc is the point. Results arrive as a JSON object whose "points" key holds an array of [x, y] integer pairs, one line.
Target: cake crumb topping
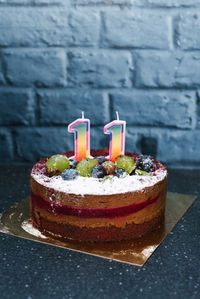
{"points": [[83, 185]]}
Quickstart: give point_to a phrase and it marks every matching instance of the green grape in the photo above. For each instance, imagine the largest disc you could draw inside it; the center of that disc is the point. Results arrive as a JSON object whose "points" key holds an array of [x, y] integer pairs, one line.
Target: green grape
{"points": [[84, 167], [56, 164], [109, 167], [141, 172], [125, 162]]}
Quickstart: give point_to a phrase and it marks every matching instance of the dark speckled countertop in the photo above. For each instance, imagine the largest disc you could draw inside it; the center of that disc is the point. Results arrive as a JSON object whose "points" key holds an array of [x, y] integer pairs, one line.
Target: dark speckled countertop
{"points": [[33, 270]]}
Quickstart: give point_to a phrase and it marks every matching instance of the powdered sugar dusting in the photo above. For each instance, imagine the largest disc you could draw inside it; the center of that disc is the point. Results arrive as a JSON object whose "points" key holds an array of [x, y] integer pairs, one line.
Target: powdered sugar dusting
{"points": [[27, 226], [114, 185]]}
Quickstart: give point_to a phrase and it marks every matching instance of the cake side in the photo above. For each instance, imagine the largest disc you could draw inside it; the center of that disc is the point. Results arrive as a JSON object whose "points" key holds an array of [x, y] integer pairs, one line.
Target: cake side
{"points": [[110, 233], [140, 206], [98, 217]]}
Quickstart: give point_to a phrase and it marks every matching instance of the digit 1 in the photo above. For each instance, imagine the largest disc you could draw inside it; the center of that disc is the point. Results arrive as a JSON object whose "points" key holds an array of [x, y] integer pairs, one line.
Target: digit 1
{"points": [[116, 130], [81, 130]]}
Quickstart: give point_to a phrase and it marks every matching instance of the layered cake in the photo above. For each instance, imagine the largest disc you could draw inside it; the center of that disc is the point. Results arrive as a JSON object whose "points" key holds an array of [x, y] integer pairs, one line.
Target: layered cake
{"points": [[97, 200]]}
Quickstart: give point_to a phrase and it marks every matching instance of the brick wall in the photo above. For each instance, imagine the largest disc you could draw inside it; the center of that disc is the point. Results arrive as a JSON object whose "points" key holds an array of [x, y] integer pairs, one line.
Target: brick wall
{"points": [[140, 57]]}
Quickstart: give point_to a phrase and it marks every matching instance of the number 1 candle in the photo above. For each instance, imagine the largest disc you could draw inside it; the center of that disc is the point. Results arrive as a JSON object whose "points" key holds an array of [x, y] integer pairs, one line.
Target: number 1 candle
{"points": [[116, 129], [81, 130]]}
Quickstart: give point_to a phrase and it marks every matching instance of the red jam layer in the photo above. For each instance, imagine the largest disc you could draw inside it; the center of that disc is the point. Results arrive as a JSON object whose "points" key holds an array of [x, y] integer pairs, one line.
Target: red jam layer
{"points": [[55, 208]]}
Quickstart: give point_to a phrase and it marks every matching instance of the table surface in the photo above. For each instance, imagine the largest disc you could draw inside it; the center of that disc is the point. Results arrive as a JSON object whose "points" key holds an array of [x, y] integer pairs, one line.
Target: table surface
{"points": [[34, 270]]}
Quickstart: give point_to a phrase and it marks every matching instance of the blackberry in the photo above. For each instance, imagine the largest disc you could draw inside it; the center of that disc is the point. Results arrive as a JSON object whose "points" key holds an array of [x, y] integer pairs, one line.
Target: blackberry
{"points": [[145, 162], [73, 163], [98, 171], [100, 159], [120, 172]]}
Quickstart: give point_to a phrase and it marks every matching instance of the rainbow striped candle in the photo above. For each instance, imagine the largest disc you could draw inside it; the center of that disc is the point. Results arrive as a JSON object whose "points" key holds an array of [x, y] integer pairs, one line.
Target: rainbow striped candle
{"points": [[81, 130], [116, 129]]}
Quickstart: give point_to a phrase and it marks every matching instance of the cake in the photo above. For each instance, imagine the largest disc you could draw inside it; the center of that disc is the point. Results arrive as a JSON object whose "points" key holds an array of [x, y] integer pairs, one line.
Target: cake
{"points": [[110, 205]]}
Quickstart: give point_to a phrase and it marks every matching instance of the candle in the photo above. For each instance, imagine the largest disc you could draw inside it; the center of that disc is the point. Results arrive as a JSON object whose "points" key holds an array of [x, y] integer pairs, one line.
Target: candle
{"points": [[116, 129], [81, 129]]}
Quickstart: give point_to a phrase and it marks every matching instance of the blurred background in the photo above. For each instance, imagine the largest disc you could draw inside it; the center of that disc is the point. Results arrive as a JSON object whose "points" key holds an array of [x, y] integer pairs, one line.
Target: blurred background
{"points": [[61, 57]]}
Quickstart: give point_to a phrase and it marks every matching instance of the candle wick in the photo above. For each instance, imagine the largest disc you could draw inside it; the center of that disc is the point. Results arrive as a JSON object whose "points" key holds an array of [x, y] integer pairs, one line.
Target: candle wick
{"points": [[117, 113], [82, 114]]}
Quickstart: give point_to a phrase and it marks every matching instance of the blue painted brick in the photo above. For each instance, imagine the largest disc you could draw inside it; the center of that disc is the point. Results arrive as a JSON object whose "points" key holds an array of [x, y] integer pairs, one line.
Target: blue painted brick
{"points": [[17, 106], [135, 136], [98, 139], [187, 69], [36, 66], [108, 2], [173, 3], [156, 107], [2, 80], [179, 147], [32, 142], [85, 27], [62, 106], [34, 2], [36, 143], [6, 148], [34, 26], [100, 68], [188, 28], [111, 45], [137, 29], [167, 69], [176, 148], [155, 68], [198, 109]]}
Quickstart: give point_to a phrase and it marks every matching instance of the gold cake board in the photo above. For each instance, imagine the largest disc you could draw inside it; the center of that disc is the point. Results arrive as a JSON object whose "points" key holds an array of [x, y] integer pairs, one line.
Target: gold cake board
{"points": [[15, 222]]}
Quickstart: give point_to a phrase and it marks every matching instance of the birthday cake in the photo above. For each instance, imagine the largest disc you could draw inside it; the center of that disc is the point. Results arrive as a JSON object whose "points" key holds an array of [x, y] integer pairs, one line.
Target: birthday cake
{"points": [[96, 199]]}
